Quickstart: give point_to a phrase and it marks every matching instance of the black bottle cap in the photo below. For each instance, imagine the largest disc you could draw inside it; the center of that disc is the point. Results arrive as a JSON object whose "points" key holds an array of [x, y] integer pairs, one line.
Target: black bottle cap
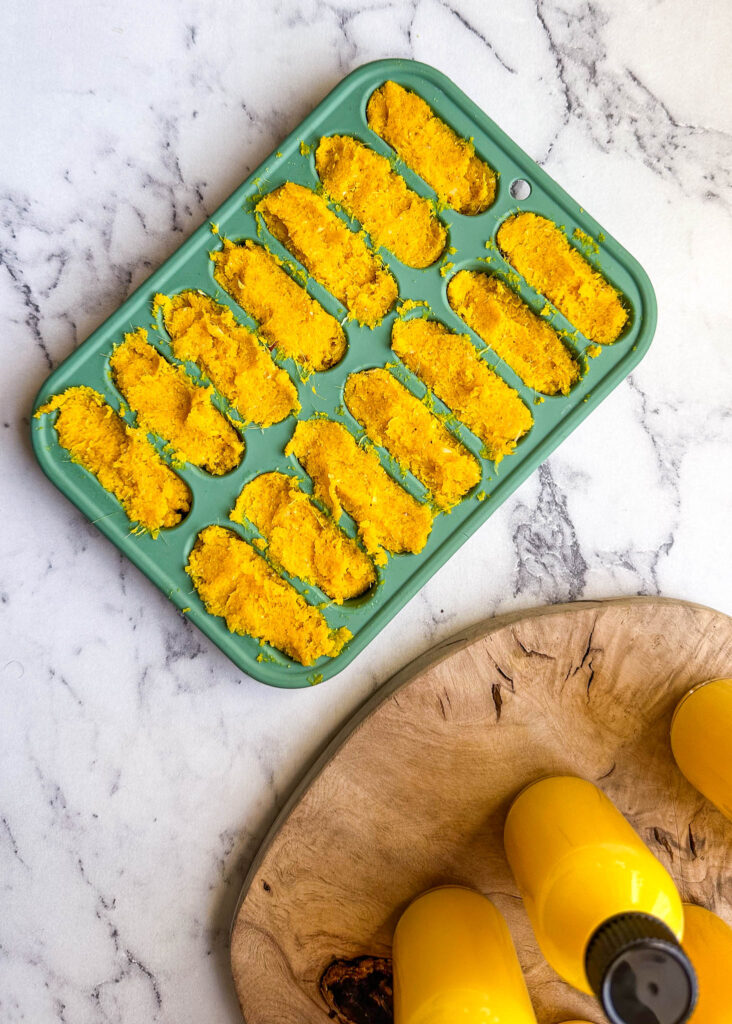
{"points": [[639, 972]]}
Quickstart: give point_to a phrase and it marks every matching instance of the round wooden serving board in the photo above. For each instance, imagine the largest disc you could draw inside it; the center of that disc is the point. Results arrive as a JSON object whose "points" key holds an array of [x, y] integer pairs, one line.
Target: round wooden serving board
{"points": [[414, 791]]}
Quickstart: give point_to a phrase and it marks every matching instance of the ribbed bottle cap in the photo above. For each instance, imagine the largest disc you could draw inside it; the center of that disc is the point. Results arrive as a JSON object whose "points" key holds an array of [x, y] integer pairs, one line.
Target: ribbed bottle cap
{"points": [[639, 972]]}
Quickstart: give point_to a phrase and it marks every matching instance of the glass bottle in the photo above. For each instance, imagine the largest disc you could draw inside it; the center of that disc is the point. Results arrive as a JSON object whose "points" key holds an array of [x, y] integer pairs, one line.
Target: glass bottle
{"points": [[605, 912], [701, 740], [708, 942], [454, 961]]}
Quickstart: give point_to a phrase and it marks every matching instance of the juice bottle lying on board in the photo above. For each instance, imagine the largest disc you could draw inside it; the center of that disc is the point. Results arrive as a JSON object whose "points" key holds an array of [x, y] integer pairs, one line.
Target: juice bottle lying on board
{"points": [[454, 960], [606, 914], [708, 943], [700, 739]]}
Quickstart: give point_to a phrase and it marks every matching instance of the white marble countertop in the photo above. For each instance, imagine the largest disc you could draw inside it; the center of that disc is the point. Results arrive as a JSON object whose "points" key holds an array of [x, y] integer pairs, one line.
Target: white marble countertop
{"points": [[138, 768]]}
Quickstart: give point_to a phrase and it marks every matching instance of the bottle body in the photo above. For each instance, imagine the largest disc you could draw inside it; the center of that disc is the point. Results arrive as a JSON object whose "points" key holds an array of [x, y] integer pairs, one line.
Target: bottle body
{"points": [[454, 960], [578, 863], [700, 740], [708, 943]]}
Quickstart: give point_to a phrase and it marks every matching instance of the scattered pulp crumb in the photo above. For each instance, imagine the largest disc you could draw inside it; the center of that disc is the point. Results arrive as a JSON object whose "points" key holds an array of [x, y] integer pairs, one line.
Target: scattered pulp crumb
{"points": [[409, 304], [288, 317], [587, 242], [302, 539], [121, 458], [393, 418], [168, 403], [543, 255], [451, 367], [348, 477], [335, 256], [530, 346], [237, 364], [235, 582], [425, 143], [593, 351], [367, 188]]}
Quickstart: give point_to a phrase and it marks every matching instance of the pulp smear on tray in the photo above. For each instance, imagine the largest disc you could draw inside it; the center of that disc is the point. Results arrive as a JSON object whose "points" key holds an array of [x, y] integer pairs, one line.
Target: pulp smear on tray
{"points": [[346, 476], [530, 346], [121, 458], [544, 257], [305, 541], [393, 418], [333, 254], [234, 581], [231, 356], [452, 368], [169, 404], [367, 188], [288, 317], [432, 149]]}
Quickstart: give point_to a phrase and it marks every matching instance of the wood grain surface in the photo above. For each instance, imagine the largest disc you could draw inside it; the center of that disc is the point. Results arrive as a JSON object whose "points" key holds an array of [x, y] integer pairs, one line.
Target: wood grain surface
{"points": [[414, 791]]}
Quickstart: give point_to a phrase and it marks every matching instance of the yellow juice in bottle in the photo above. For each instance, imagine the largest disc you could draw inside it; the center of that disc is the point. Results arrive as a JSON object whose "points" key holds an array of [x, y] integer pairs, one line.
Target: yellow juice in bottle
{"points": [[455, 963], [708, 942], [598, 900], [701, 732]]}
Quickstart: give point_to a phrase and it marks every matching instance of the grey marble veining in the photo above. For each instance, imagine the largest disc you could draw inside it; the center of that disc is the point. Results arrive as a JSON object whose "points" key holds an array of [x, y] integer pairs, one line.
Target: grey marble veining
{"points": [[138, 768]]}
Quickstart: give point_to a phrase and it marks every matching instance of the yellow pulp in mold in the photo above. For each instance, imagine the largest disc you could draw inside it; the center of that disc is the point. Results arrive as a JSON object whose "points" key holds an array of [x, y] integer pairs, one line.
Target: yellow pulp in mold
{"points": [[235, 582], [451, 367], [237, 364], [367, 188], [169, 404], [120, 457], [333, 254], [542, 254], [530, 346], [393, 418], [346, 476], [425, 143], [288, 317], [302, 539]]}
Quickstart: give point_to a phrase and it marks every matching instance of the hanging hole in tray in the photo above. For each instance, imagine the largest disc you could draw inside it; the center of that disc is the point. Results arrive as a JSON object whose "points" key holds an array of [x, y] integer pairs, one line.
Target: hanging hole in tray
{"points": [[520, 188]]}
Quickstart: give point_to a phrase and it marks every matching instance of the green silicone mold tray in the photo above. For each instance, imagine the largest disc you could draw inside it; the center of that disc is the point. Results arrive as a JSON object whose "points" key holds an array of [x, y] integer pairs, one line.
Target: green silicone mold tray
{"points": [[472, 239]]}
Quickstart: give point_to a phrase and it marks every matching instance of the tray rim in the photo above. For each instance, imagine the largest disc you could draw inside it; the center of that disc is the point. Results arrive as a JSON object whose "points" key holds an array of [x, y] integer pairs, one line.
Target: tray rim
{"points": [[302, 676]]}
